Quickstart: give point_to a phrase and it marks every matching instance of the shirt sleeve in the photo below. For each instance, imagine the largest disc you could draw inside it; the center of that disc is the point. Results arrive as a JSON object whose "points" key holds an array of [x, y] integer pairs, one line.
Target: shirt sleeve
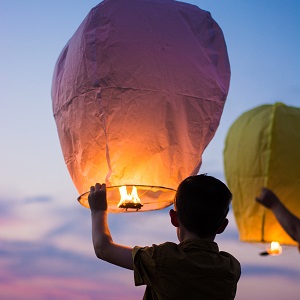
{"points": [[144, 266]]}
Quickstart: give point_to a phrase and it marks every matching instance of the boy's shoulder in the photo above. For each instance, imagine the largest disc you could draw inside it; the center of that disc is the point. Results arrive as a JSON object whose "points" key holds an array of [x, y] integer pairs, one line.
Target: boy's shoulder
{"points": [[193, 245], [201, 257], [169, 247]]}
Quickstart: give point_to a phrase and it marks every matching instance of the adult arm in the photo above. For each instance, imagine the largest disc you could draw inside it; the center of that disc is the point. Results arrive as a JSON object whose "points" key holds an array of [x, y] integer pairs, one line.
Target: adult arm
{"points": [[104, 246], [289, 222]]}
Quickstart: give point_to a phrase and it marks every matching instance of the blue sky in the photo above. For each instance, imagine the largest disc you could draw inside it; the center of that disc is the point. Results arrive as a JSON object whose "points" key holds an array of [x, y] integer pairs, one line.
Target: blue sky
{"points": [[45, 240]]}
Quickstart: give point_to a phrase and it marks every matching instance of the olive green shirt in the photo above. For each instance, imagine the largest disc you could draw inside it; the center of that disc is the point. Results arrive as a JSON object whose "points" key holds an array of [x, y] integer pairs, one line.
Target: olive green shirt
{"points": [[194, 269]]}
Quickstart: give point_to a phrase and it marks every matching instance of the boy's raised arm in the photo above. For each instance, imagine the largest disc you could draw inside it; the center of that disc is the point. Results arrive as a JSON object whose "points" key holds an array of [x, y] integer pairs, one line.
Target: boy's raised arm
{"points": [[103, 243]]}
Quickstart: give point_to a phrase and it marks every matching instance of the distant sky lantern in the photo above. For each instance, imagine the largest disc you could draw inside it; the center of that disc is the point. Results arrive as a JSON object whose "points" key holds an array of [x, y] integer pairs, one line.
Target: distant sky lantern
{"points": [[262, 148], [138, 92]]}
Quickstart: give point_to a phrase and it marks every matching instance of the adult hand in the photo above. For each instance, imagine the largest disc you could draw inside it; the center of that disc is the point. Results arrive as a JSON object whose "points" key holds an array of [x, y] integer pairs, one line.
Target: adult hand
{"points": [[267, 198], [97, 197]]}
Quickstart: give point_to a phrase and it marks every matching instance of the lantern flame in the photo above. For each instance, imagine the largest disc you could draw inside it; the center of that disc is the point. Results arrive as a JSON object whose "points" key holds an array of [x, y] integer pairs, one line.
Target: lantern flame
{"points": [[276, 249], [131, 200]]}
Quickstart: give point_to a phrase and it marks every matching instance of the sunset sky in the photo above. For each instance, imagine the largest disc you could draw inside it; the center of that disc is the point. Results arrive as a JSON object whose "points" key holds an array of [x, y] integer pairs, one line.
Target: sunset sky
{"points": [[45, 235]]}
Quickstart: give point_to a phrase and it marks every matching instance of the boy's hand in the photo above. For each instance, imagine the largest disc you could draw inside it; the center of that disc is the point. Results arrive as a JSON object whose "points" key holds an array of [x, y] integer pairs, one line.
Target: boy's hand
{"points": [[97, 197], [267, 198]]}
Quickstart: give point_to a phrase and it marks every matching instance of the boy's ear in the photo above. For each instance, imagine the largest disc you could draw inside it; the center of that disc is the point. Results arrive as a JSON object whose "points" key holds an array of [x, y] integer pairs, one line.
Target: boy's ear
{"points": [[174, 218], [222, 226]]}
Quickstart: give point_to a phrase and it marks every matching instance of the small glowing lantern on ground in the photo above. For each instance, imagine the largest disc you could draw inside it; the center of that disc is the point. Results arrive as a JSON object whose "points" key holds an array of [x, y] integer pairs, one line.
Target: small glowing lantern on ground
{"points": [[262, 149], [138, 92]]}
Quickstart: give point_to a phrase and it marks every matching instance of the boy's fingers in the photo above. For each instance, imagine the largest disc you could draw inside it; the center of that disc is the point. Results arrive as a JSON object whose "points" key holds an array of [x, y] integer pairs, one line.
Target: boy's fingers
{"points": [[92, 189], [98, 186], [103, 187]]}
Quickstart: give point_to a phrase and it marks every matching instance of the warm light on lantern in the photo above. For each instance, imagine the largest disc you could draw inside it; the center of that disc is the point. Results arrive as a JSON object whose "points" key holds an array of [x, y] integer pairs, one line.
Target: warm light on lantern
{"points": [[131, 200]]}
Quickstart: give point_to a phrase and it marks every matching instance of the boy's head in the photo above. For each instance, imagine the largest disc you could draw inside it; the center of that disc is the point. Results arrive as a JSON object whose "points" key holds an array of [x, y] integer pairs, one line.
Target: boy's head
{"points": [[202, 203]]}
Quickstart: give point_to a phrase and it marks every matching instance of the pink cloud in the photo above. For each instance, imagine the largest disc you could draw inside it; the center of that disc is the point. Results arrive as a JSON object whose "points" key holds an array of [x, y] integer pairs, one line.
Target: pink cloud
{"points": [[49, 287]]}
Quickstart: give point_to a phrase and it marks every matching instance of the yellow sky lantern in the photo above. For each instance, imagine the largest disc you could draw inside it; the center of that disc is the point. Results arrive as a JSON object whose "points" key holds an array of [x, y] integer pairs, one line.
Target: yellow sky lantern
{"points": [[262, 149], [138, 92]]}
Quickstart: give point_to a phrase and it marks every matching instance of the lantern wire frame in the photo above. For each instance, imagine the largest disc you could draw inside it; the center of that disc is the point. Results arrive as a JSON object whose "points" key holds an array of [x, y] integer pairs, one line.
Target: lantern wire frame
{"points": [[151, 197]]}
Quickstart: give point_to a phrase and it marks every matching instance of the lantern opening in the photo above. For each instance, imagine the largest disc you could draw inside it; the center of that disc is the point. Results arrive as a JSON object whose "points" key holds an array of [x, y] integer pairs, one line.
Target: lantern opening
{"points": [[131, 200], [144, 198], [275, 249]]}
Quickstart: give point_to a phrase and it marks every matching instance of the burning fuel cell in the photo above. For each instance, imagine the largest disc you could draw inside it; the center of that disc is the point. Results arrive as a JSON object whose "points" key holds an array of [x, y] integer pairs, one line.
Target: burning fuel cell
{"points": [[275, 249], [131, 200]]}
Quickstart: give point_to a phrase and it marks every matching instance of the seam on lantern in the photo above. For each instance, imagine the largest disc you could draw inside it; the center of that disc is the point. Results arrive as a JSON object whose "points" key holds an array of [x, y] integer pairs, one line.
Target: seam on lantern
{"points": [[68, 102], [72, 99], [267, 169], [219, 97], [107, 152]]}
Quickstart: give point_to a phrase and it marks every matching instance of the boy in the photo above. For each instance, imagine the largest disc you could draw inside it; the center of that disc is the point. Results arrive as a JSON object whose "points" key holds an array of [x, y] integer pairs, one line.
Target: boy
{"points": [[193, 269]]}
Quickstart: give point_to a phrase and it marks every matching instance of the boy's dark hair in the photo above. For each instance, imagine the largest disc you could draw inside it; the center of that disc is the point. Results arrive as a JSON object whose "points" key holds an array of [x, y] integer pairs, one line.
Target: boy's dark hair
{"points": [[202, 203]]}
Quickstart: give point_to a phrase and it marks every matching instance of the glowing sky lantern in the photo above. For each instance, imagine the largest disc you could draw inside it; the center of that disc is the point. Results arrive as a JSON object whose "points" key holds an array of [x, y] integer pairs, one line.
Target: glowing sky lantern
{"points": [[138, 92], [262, 148]]}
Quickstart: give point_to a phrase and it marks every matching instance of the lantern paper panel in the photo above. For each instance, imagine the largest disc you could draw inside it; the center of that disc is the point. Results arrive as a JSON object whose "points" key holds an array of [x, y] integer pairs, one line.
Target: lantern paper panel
{"points": [[138, 93], [262, 149]]}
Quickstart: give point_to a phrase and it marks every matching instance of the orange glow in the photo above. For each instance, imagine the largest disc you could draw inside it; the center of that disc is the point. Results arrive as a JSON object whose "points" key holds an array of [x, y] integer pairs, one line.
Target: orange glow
{"points": [[131, 200], [276, 249]]}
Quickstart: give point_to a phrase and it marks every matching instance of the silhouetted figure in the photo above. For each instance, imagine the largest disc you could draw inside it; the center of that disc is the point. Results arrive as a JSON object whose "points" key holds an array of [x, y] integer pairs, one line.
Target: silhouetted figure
{"points": [[192, 269]]}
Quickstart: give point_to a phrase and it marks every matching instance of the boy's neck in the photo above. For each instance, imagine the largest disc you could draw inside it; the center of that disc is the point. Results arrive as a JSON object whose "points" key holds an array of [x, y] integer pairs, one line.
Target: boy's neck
{"points": [[184, 234]]}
